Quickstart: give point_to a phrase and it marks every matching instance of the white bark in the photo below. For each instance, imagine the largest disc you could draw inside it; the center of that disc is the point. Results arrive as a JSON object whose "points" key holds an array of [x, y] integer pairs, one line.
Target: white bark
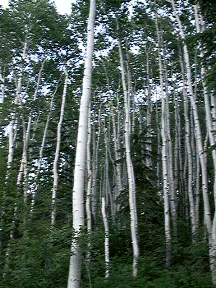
{"points": [[58, 143], [74, 277], [210, 127], [169, 153], [130, 170], [106, 242], [116, 140], [89, 177], [197, 126], [164, 158], [194, 226]]}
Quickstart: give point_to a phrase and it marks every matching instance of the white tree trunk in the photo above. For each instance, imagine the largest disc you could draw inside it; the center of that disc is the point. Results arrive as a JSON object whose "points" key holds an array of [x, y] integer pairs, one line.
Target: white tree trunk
{"points": [[194, 226], [197, 126], [58, 143], [169, 153], [74, 277], [164, 158], [209, 125], [89, 177], [130, 170], [106, 242]]}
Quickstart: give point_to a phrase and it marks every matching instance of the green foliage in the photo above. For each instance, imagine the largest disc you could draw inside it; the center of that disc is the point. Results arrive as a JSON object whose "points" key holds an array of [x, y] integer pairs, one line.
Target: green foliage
{"points": [[150, 275], [39, 255]]}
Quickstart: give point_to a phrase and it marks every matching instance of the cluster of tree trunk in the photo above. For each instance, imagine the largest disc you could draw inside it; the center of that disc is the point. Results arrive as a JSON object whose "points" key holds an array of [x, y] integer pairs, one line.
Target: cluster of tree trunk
{"points": [[120, 135]]}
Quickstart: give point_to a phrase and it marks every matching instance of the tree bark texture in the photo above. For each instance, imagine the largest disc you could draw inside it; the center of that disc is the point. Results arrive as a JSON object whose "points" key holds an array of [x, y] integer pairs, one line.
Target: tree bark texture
{"points": [[74, 277]]}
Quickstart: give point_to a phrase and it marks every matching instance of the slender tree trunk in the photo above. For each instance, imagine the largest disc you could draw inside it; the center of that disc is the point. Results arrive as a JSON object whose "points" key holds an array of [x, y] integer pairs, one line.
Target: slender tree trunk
{"points": [[197, 127], [169, 152], [89, 178], [74, 277], [104, 199], [106, 242], [194, 227], [209, 125], [164, 158], [58, 143], [130, 170], [116, 140]]}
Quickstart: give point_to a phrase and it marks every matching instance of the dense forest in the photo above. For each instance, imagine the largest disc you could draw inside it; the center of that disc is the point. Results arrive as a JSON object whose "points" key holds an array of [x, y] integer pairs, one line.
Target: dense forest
{"points": [[108, 144]]}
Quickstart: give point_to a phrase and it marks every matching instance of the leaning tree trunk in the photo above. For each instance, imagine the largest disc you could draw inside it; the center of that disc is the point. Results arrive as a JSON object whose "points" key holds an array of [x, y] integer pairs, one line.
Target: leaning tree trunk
{"points": [[74, 277]]}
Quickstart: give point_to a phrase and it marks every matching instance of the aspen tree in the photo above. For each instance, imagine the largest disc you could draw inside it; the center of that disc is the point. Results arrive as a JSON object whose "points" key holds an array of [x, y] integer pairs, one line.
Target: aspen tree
{"points": [[169, 155], [104, 199], [106, 242], [197, 124], [164, 157], [130, 170], [194, 221], [58, 143], [210, 128], [211, 227], [89, 177], [74, 277], [116, 140]]}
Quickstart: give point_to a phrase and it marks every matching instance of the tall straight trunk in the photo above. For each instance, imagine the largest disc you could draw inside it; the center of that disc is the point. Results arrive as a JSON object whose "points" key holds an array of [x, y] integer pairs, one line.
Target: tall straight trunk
{"points": [[104, 199], [89, 177], [212, 139], [130, 170], [88, 197], [194, 222], [58, 143], [164, 158], [172, 191], [74, 277], [106, 242], [158, 168], [197, 126]]}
